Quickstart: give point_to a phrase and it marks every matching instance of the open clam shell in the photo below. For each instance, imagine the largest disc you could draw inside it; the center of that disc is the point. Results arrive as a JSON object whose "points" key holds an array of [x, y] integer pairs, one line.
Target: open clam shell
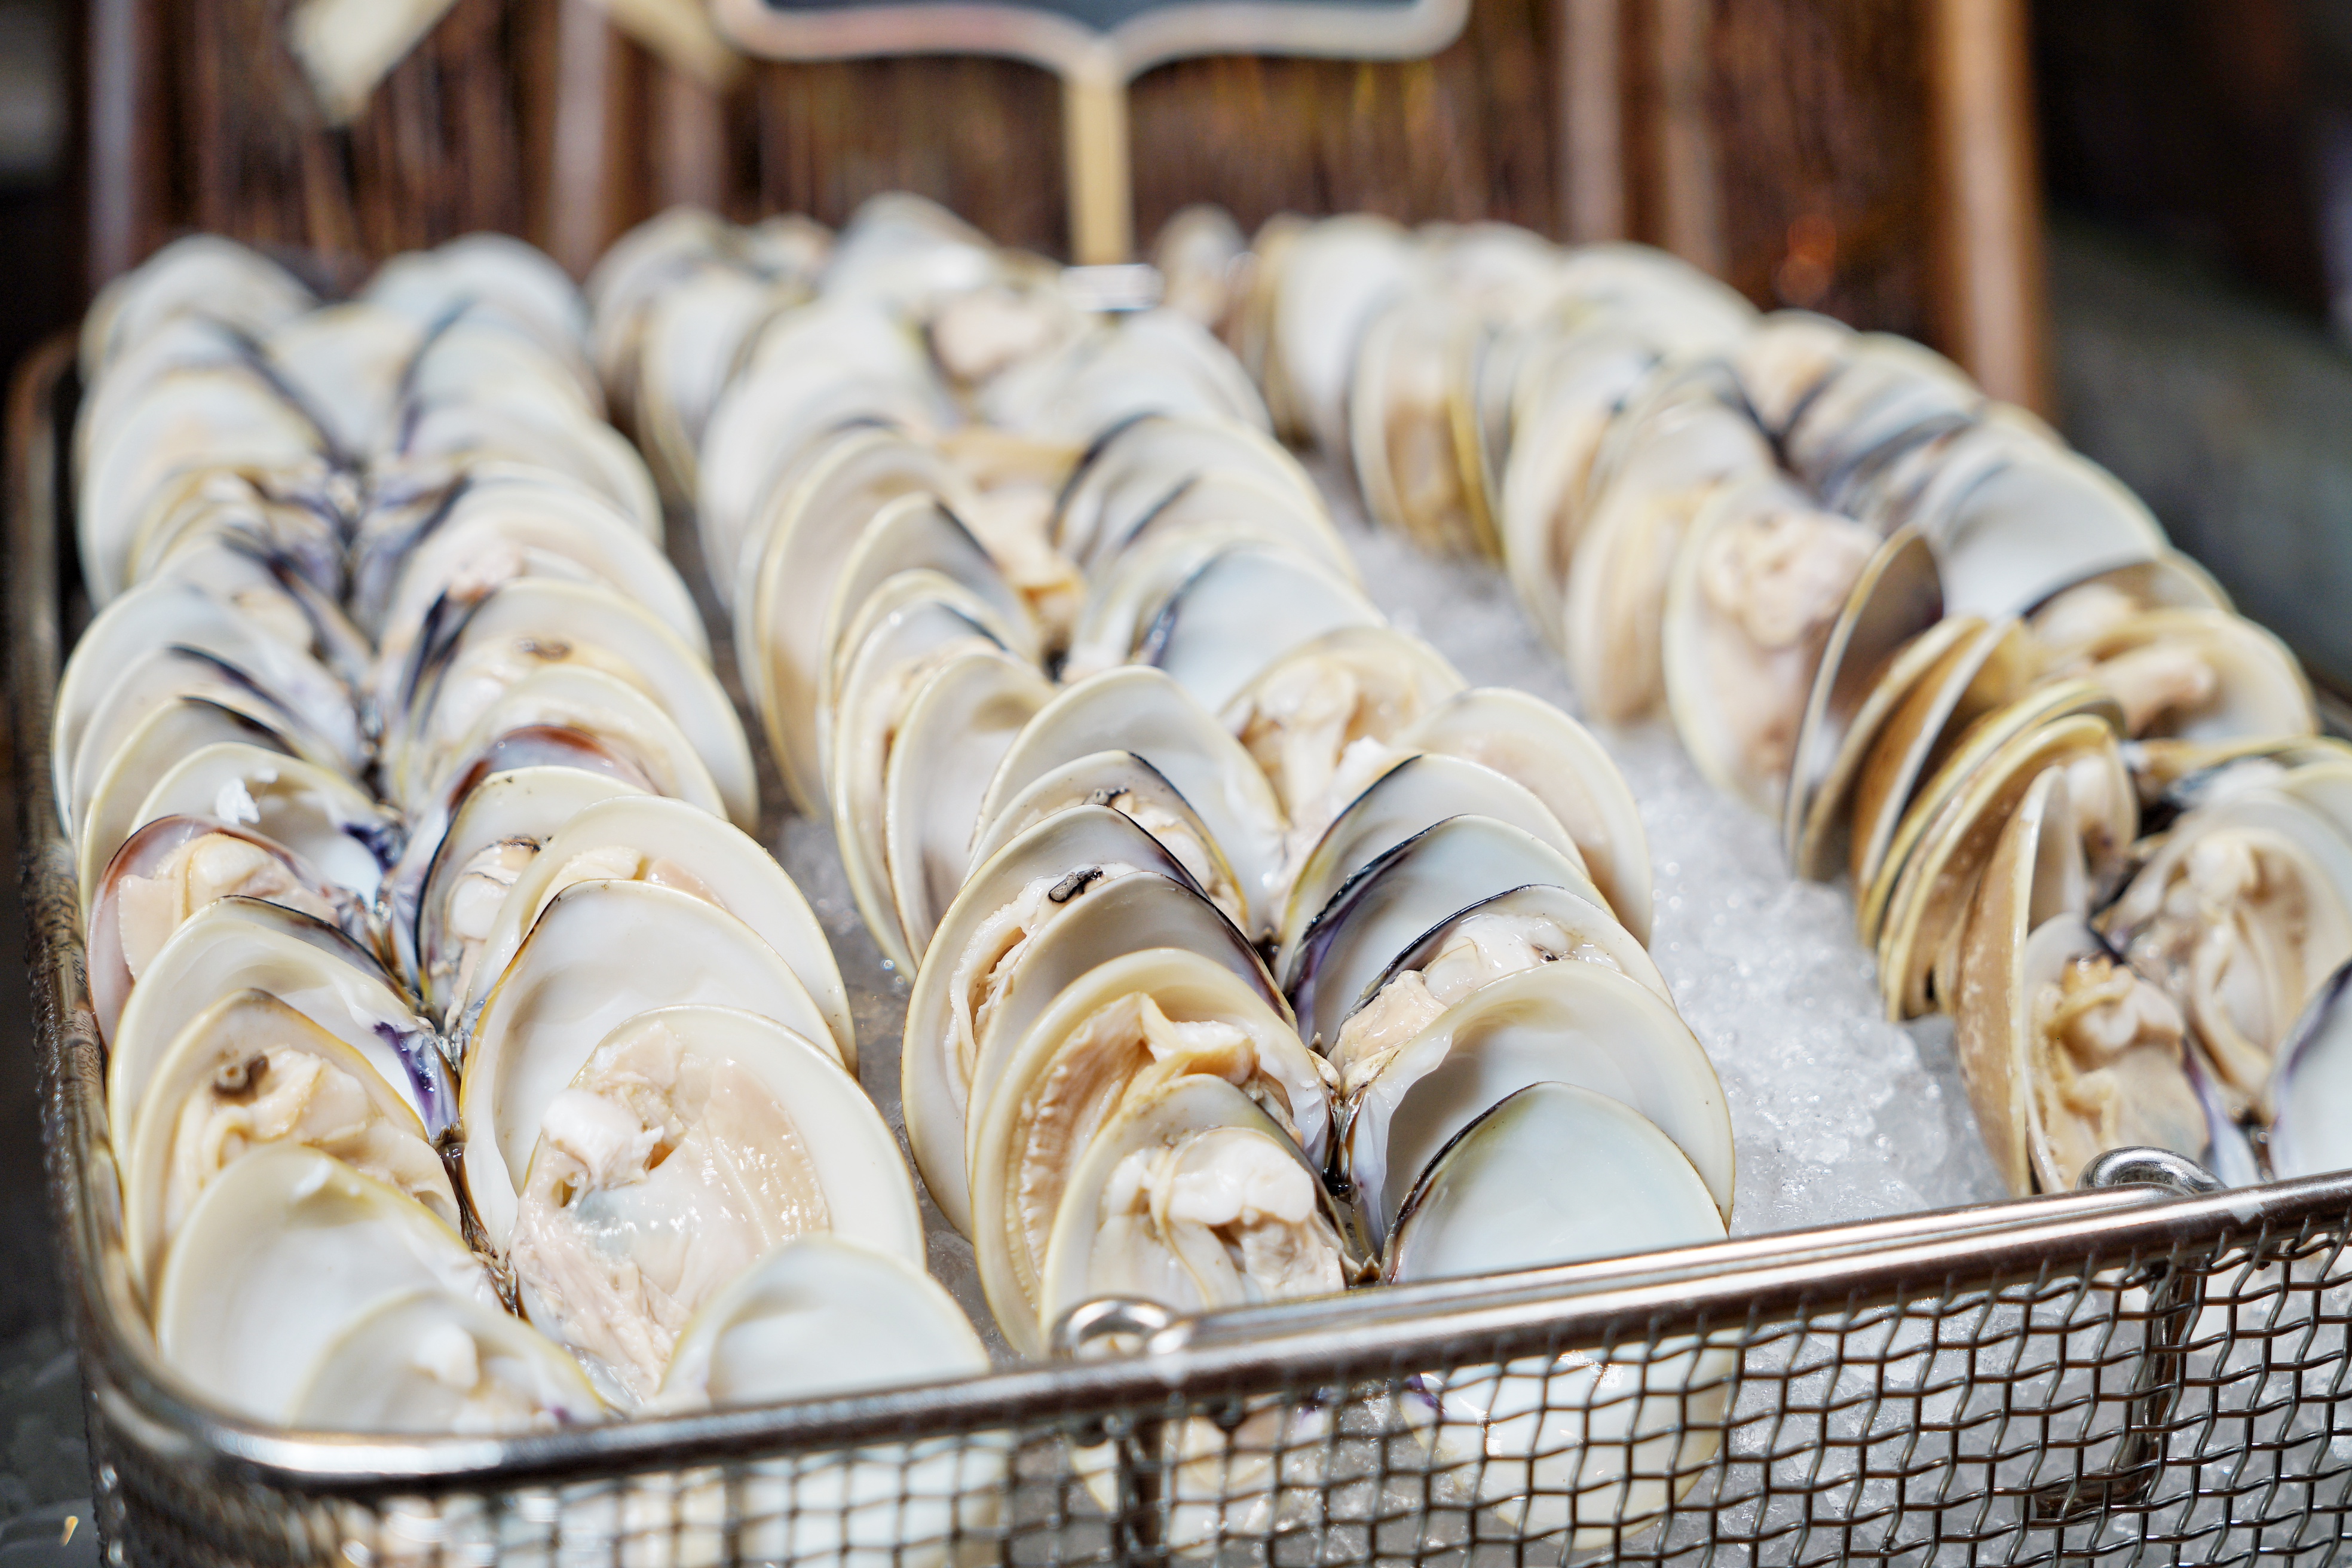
{"points": [[1193, 1198], [244, 944], [197, 274], [1406, 893], [1758, 585], [1891, 632], [958, 725], [1921, 898], [1266, 506], [2082, 611], [688, 1144], [1134, 788], [811, 532], [1359, 1018], [1128, 914], [1132, 470], [601, 953], [1417, 794], [1575, 1024], [670, 844], [249, 1072], [1550, 1173], [1009, 899], [2311, 1084], [1330, 280], [1242, 609], [1412, 432], [1151, 1015], [1145, 711], [2199, 675], [531, 625], [1304, 712], [1530, 741], [616, 715], [2043, 519], [1981, 667], [498, 826], [318, 813], [175, 867], [430, 1361], [287, 1250]]}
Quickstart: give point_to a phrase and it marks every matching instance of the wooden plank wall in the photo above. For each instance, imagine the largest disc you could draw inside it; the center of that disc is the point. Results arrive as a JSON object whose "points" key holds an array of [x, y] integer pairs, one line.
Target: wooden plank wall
{"points": [[1792, 146]]}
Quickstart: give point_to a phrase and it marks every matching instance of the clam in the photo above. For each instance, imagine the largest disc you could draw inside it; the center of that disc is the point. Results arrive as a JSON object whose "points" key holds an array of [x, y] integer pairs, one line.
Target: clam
{"points": [[431, 1361], [1920, 898], [1129, 912], [1594, 1445], [1241, 610], [174, 730], [821, 1317], [247, 1073], [174, 869], [811, 528], [1561, 410], [223, 416], [2241, 912], [914, 532], [1135, 789], [2044, 518], [2082, 611], [2308, 1089], [957, 727], [1350, 692], [1134, 470], [1264, 506], [690, 337], [199, 275], [244, 944], [1328, 281], [1416, 793], [493, 271], [1199, 251], [1891, 633], [600, 953], [1114, 625], [481, 354], [472, 435], [1145, 711], [1758, 585], [583, 700], [919, 622], [1122, 1029], [1982, 667], [2066, 1049], [1407, 893], [689, 1144], [1664, 459], [282, 522], [1575, 1024], [1412, 427], [318, 813], [1360, 1015], [345, 365], [501, 521], [664, 843], [285, 1252], [441, 922], [1192, 1196], [1530, 741], [2198, 674], [530, 626], [1006, 902]]}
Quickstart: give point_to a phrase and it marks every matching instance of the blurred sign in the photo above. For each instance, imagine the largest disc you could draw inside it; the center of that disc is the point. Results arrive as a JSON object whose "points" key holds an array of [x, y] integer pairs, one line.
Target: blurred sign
{"points": [[1097, 46]]}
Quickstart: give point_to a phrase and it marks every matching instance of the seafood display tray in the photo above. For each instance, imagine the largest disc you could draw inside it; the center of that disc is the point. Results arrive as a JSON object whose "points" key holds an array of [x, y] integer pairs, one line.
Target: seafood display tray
{"points": [[2117, 1375]]}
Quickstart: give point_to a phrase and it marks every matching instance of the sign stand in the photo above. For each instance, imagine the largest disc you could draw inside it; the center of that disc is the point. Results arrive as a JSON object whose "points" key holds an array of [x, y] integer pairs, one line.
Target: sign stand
{"points": [[1100, 171]]}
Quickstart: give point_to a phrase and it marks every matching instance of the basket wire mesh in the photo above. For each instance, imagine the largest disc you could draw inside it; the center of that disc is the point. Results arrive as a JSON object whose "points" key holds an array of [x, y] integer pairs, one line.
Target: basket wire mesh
{"points": [[2113, 1376]]}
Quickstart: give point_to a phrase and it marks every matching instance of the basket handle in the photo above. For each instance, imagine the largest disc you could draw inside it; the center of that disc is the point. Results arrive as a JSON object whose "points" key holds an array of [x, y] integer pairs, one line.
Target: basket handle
{"points": [[2156, 1386]]}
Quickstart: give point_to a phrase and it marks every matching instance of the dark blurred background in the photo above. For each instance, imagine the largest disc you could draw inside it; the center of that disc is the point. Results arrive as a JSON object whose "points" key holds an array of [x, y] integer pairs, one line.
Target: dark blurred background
{"points": [[2195, 172]]}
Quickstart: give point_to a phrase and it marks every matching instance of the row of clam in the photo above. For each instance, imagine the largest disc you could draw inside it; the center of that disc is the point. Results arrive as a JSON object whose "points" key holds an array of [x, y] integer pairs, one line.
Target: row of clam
{"points": [[468, 1067], [2081, 802], [1253, 954]]}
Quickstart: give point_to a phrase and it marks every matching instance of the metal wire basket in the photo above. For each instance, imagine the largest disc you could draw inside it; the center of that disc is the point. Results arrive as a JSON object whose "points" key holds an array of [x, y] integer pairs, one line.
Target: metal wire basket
{"points": [[2115, 1375]]}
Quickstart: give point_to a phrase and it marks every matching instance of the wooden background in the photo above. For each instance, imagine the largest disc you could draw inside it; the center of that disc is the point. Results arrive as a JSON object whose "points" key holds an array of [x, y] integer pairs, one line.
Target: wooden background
{"points": [[1869, 158]]}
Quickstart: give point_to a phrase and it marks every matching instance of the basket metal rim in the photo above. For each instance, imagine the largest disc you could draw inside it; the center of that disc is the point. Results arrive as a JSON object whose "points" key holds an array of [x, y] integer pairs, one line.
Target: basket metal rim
{"points": [[2036, 1241]]}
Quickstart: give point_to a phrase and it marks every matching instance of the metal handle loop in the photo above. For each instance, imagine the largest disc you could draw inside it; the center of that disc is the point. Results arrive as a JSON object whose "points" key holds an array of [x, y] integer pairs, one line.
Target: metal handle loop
{"points": [[2156, 1385]]}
